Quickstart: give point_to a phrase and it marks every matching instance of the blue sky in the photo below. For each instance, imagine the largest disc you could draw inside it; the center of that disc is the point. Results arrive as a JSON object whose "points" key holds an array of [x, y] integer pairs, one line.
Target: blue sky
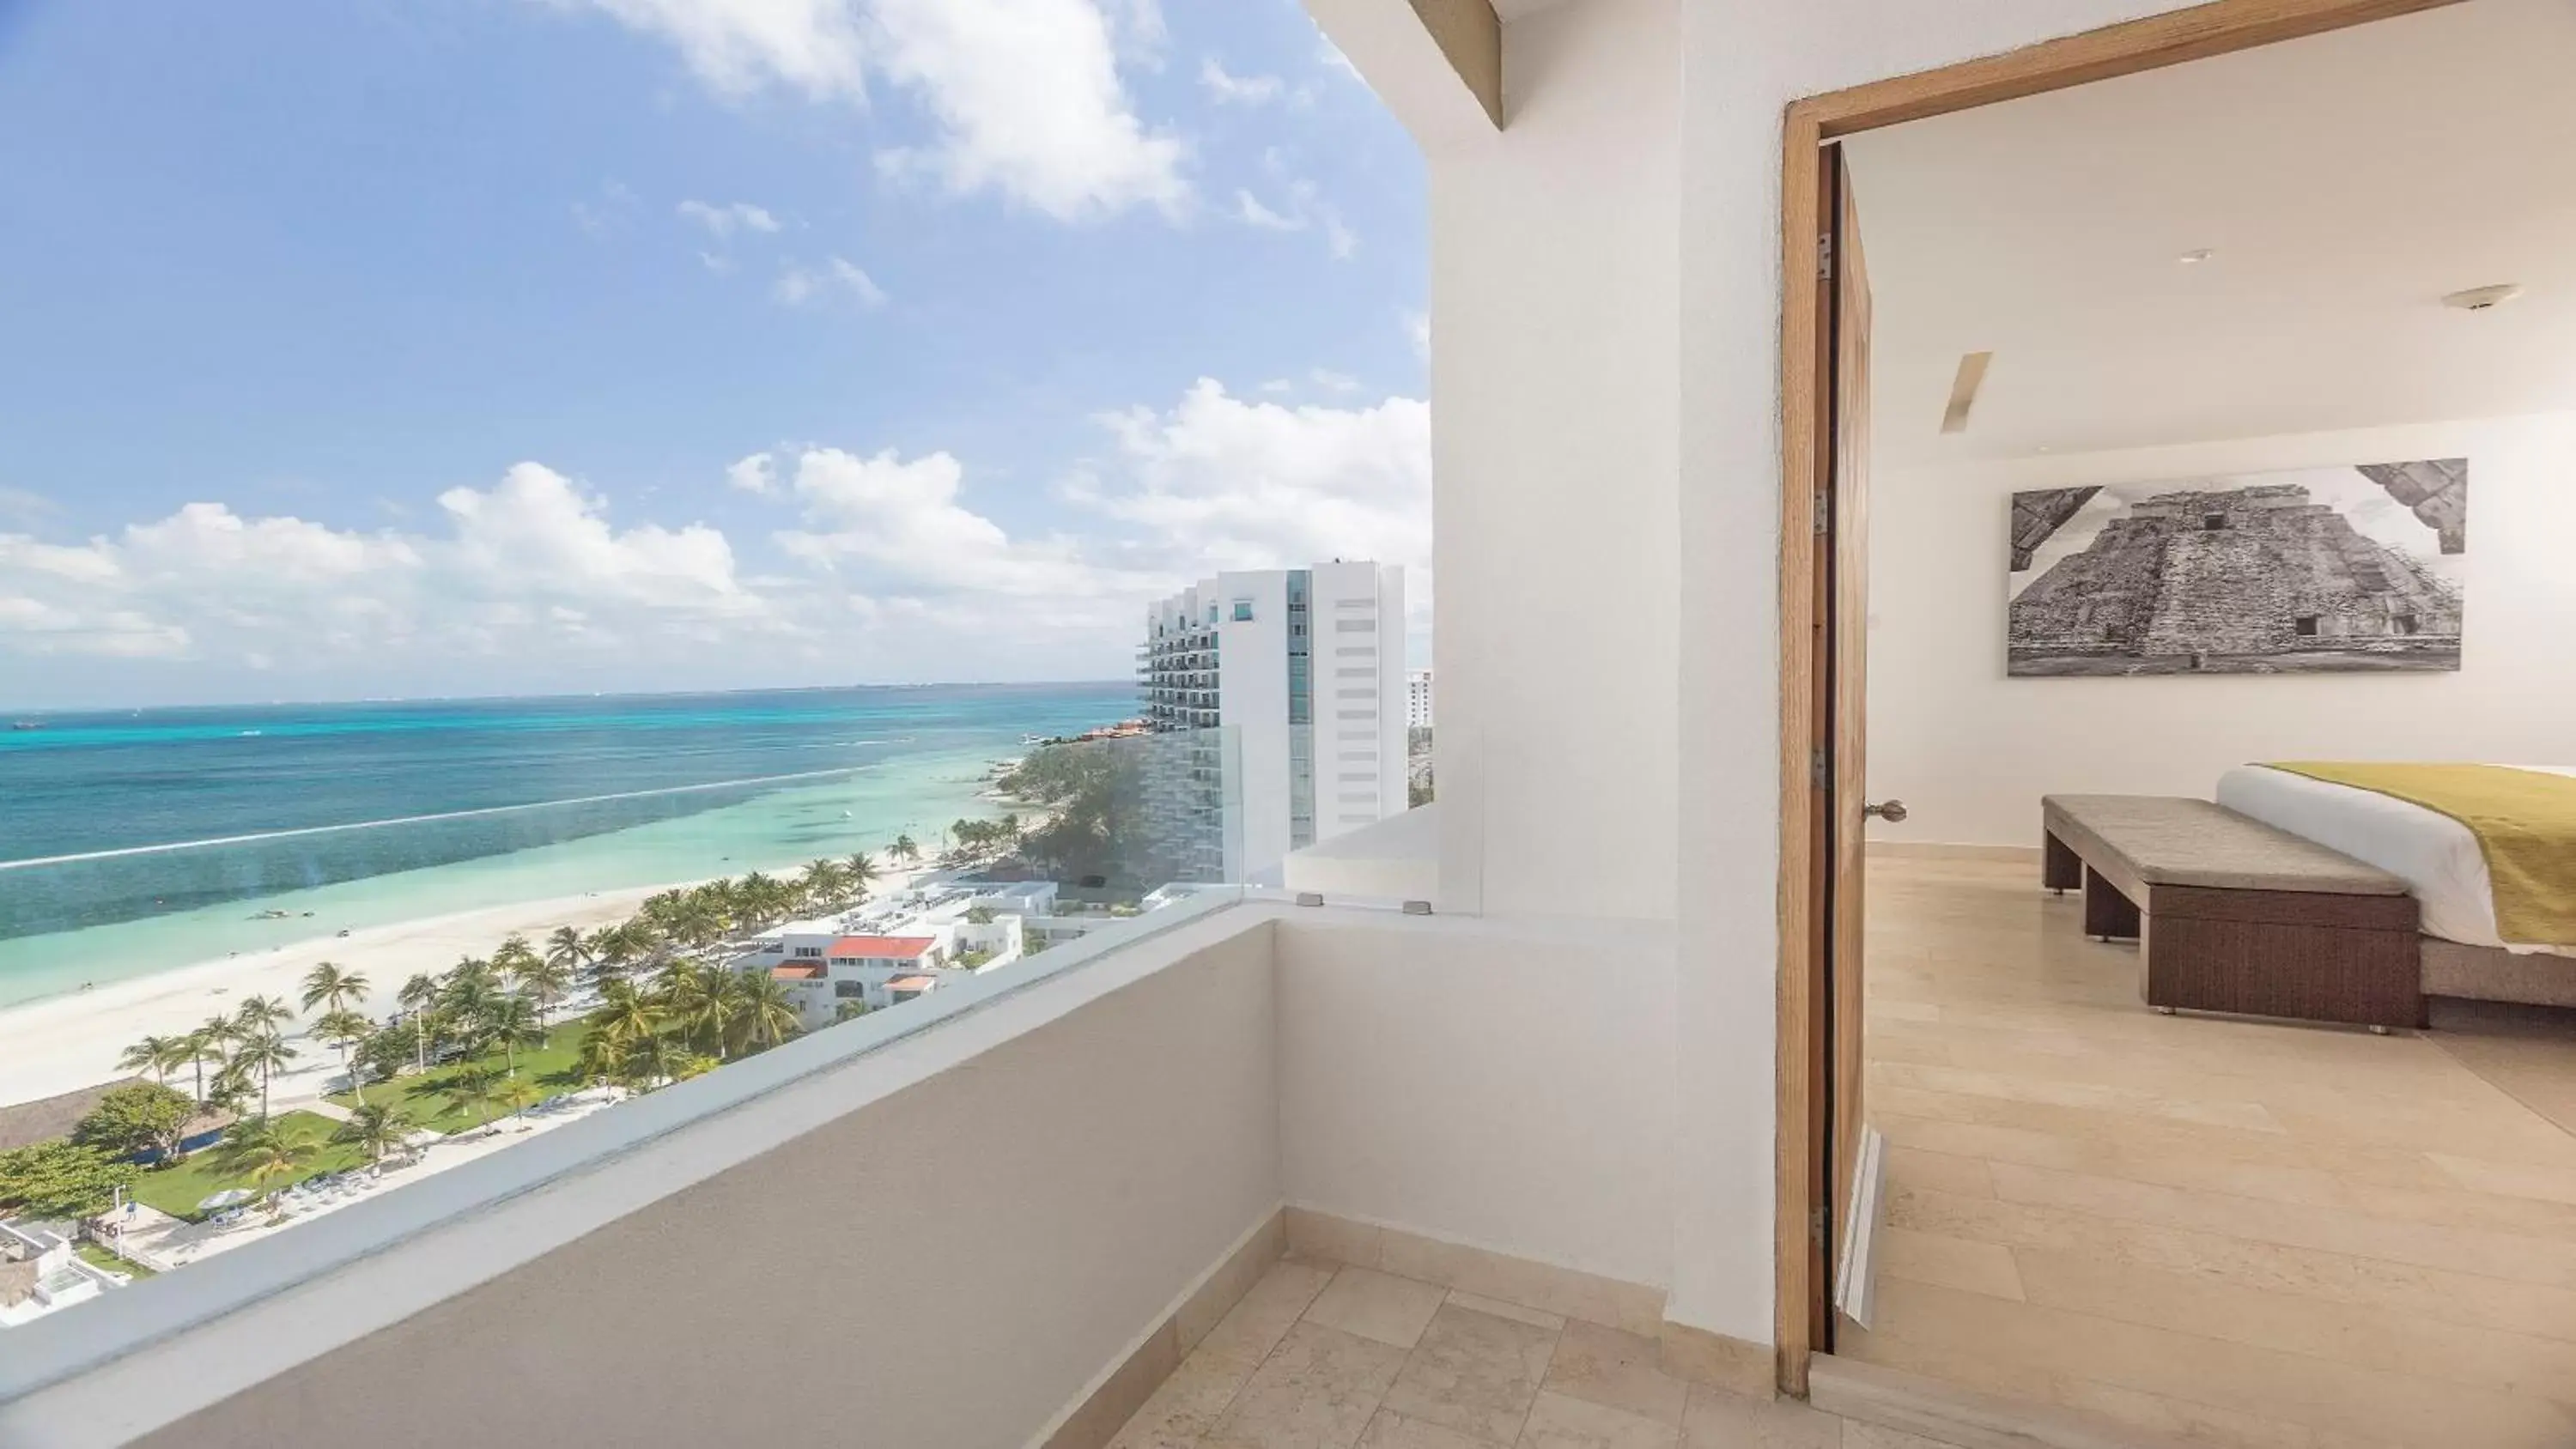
{"points": [[477, 346]]}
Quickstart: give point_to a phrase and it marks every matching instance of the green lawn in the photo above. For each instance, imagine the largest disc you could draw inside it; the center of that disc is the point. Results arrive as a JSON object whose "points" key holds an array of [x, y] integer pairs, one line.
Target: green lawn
{"points": [[98, 1257], [422, 1101], [178, 1190]]}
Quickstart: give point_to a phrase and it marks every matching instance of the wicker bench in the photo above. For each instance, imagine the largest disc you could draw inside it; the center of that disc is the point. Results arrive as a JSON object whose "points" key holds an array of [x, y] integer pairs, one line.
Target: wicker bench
{"points": [[2233, 915]]}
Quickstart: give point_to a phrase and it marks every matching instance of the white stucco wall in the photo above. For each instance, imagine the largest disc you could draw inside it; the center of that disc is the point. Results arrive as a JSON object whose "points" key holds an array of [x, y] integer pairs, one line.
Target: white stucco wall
{"points": [[1498, 1085], [1605, 305], [948, 1265], [1971, 751]]}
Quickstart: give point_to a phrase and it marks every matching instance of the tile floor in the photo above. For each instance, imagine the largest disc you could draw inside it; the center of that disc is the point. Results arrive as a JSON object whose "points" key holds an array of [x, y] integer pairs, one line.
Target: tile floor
{"points": [[1321, 1356], [2250, 1234]]}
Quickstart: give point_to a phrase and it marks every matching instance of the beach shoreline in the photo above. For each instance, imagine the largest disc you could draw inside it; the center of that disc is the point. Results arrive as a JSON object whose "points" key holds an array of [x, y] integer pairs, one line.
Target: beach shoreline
{"points": [[71, 1040]]}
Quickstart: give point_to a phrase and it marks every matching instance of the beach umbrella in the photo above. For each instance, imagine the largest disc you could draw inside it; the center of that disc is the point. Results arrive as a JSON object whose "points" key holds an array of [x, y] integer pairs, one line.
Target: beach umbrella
{"points": [[229, 1197]]}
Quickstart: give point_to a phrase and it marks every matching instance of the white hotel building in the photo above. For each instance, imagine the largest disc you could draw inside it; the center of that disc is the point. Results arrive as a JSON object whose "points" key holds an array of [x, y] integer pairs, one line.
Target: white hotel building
{"points": [[1305, 669]]}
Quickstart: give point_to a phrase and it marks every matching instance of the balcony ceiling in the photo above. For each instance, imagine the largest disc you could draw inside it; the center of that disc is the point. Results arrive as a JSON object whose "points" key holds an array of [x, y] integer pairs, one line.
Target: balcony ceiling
{"points": [[2342, 184]]}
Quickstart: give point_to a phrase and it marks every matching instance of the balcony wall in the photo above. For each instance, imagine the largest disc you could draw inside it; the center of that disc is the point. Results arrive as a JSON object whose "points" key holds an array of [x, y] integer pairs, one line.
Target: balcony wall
{"points": [[958, 1261], [1502, 1087], [950, 1265]]}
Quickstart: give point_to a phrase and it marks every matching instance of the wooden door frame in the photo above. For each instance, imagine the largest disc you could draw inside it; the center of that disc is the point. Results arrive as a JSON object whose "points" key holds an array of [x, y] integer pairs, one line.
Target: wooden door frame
{"points": [[1802, 1054]]}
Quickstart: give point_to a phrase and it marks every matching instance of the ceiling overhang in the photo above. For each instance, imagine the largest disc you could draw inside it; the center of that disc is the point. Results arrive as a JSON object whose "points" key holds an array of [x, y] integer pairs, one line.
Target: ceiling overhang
{"points": [[1437, 64]]}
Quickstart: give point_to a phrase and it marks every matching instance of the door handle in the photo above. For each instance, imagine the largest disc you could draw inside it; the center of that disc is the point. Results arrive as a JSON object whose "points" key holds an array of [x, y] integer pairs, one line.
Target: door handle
{"points": [[1893, 812]]}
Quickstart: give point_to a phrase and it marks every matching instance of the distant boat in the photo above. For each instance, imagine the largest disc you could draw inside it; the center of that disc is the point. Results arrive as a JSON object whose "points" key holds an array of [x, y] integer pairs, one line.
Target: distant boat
{"points": [[25, 724]]}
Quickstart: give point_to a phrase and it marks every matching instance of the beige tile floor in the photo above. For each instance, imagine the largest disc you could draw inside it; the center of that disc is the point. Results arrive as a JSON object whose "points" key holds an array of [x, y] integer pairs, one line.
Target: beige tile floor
{"points": [[2246, 1233], [1321, 1356]]}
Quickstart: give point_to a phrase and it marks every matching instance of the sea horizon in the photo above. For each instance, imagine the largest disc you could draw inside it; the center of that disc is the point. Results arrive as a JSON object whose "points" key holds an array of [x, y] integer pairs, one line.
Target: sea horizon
{"points": [[140, 840]]}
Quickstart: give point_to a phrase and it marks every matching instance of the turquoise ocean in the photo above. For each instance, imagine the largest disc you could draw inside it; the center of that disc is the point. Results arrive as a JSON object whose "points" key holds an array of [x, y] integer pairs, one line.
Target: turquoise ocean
{"points": [[133, 842]]}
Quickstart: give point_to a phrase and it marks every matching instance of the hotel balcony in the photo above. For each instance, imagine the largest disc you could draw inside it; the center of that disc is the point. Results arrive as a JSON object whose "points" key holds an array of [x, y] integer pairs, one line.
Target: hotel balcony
{"points": [[1073, 1175]]}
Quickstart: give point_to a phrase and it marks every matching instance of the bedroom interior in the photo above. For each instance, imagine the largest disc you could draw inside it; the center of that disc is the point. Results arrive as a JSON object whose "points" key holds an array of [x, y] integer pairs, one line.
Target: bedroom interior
{"points": [[2219, 1013]]}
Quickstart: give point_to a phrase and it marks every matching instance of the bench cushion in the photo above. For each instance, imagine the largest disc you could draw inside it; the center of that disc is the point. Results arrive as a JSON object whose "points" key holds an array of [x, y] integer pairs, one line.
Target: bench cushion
{"points": [[2171, 840]]}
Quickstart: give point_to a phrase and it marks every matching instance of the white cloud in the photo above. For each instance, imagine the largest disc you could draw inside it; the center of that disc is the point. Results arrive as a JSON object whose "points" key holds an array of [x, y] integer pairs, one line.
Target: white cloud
{"points": [[1029, 105], [207, 583], [1417, 330], [1248, 208], [798, 285], [1221, 482], [754, 474], [722, 266], [1303, 209], [724, 220], [1338, 238], [1239, 90], [1332, 381], [894, 566], [739, 46]]}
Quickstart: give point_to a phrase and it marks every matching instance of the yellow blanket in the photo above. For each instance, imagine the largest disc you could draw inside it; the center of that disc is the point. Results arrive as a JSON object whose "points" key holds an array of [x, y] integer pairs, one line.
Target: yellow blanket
{"points": [[2525, 822]]}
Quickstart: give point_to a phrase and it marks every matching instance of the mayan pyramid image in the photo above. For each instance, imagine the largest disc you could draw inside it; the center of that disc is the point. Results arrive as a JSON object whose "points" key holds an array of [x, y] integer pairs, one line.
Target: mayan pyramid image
{"points": [[2256, 579]]}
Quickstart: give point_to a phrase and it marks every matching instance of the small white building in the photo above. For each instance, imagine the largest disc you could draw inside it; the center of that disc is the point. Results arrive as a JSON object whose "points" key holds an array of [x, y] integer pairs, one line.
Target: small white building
{"points": [[1417, 700], [40, 1272]]}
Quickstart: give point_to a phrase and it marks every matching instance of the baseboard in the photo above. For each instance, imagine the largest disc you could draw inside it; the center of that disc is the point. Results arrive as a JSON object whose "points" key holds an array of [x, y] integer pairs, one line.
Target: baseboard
{"points": [[1096, 1415], [1938, 850], [1967, 1418], [1687, 1352]]}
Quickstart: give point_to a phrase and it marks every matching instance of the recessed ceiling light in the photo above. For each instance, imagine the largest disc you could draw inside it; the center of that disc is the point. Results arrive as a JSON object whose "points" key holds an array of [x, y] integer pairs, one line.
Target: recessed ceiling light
{"points": [[2478, 299], [2194, 257]]}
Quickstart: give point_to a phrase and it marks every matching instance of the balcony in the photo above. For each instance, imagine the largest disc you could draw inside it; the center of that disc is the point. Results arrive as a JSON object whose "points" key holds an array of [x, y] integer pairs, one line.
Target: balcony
{"points": [[1078, 1168]]}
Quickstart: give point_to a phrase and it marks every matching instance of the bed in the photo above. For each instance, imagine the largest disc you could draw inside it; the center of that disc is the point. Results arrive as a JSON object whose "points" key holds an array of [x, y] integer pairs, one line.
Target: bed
{"points": [[2464, 955]]}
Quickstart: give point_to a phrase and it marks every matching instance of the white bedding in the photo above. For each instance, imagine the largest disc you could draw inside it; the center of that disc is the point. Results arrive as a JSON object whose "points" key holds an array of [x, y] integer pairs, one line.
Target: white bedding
{"points": [[2429, 851]]}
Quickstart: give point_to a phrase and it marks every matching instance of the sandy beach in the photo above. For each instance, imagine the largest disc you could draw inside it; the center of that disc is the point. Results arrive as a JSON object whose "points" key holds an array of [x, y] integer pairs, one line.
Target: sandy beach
{"points": [[63, 1043]]}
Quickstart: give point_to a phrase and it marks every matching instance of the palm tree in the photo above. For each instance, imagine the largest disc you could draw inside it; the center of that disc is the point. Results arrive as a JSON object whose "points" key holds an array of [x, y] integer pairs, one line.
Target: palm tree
{"points": [[904, 849], [332, 989], [657, 1058], [261, 1014], [770, 1013], [625, 1016], [266, 1053], [345, 1029], [513, 1023], [469, 1089], [159, 1055], [512, 961], [375, 1129], [705, 1002], [260, 1151], [468, 996], [569, 951], [518, 1094], [859, 872], [419, 996], [821, 883], [230, 1090], [612, 949], [546, 979], [209, 1043]]}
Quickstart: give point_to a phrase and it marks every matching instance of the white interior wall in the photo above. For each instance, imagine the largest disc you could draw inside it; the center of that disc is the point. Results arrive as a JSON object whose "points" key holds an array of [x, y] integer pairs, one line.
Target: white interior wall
{"points": [[1493, 1084], [1971, 751], [1742, 65], [1605, 407]]}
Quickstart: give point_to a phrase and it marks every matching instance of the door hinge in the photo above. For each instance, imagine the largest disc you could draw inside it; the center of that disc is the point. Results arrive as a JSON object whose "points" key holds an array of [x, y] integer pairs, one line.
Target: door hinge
{"points": [[1824, 256], [1819, 769], [1824, 514]]}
